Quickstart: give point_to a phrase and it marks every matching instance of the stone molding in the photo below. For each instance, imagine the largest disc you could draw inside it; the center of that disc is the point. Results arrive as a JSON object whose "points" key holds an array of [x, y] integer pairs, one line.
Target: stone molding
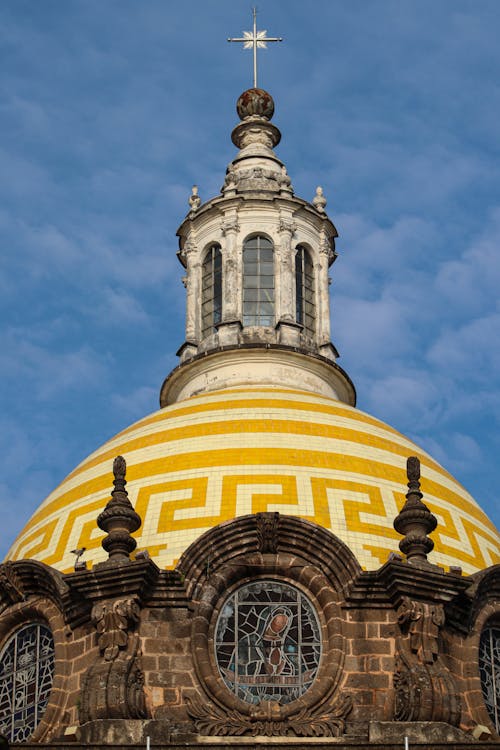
{"points": [[247, 364], [311, 544]]}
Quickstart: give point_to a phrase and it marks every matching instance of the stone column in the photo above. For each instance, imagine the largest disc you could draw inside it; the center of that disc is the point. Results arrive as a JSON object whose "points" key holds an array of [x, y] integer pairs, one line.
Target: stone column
{"points": [[288, 328], [230, 326], [192, 282], [192, 289], [323, 296]]}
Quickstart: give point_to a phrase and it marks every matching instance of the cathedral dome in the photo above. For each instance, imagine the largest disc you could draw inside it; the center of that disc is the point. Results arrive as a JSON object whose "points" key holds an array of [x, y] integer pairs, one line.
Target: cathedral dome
{"points": [[213, 457]]}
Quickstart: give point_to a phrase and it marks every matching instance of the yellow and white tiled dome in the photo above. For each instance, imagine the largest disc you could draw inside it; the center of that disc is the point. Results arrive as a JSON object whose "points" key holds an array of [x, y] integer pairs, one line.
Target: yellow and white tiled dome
{"points": [[224, 454]]}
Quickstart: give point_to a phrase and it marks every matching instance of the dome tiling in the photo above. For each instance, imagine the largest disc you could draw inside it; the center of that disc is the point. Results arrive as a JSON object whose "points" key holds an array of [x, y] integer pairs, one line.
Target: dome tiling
{"points": [[225, 454]]}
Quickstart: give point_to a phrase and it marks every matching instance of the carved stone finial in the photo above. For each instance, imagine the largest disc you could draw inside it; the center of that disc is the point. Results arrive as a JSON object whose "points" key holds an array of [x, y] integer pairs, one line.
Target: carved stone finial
{"points": [[413, 469], [194, 199], [119, 519], [319, 200], [415, 520]]}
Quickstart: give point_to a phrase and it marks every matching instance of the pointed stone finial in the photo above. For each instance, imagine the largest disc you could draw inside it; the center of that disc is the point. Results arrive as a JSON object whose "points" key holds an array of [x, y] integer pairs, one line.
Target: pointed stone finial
{"points": [[119, 519], [415, 520], [319, 200], [194, 199]]}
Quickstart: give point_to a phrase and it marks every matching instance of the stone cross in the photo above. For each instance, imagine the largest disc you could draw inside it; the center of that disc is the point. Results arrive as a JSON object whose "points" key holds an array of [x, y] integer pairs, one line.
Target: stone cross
{"points": [[255, 40]]}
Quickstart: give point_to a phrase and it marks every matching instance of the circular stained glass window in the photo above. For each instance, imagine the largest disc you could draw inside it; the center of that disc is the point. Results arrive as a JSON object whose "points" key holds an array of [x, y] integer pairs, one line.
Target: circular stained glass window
{"points": [[26, 674], [267, 642], [489, 670]]}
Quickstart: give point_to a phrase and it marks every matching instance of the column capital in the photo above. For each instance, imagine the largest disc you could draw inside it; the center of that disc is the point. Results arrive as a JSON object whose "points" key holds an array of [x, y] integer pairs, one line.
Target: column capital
{"points": [[230, 225], [287, 225]]}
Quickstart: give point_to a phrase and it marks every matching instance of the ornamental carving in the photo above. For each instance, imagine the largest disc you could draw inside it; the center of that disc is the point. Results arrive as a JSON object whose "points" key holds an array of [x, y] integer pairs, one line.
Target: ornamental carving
{"points": [[255, 178], [11, 587], [326, 248], [267, 532], [113, 690], [267, 719], [230, 225], [112, 621], [424, 688], [422, 622], [287, 225], [113, 687]]}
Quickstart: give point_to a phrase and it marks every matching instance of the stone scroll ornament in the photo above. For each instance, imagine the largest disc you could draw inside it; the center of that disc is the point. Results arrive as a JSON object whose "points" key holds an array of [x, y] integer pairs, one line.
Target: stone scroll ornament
{"points": [[113, 687], [11, 588], [266, 718], [424, 688]]}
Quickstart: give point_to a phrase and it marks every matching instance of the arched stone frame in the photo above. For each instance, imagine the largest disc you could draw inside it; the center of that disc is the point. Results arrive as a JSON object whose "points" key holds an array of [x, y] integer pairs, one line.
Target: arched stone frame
{"points": [[282, 568], [216, 315], [485, 612], [260, 301], [42, 610], [314, 269], [302, 555], [489, 615]]}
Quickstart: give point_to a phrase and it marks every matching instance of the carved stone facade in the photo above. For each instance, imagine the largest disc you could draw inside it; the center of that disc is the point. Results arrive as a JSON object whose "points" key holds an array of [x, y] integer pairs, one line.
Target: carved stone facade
{"points": [[135, 645]]}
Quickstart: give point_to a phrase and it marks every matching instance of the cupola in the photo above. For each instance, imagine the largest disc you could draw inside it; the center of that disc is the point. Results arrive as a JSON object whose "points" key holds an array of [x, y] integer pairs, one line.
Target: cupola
{"points": [[257, 261]]}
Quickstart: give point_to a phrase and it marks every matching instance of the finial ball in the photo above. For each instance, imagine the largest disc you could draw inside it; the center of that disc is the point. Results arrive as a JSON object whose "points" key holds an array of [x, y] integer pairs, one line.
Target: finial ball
{"points": [[255, 102]]}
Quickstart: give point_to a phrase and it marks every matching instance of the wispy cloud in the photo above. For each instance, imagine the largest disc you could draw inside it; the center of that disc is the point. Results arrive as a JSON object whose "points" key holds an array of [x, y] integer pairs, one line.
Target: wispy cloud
{"points": [[111, 111]]}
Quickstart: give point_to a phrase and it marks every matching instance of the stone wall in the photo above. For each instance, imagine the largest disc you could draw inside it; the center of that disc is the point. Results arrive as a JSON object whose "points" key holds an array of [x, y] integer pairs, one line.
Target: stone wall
{"points": [[134, 645]]}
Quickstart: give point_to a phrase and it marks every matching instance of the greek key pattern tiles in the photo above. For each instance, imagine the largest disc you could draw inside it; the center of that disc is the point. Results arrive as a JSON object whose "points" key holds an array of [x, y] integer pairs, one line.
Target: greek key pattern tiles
{"points": [[211, 458]]}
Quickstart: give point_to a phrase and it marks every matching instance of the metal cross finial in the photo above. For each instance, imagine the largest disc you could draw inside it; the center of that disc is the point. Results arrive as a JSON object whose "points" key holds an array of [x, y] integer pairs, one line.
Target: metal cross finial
{"points": [[255, 40]]}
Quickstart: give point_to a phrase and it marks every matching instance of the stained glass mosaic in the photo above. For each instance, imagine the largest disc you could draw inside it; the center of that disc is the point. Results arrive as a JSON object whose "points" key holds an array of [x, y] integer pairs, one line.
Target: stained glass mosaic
{"points": [[26, 674], [489, 670], [268, 642]]}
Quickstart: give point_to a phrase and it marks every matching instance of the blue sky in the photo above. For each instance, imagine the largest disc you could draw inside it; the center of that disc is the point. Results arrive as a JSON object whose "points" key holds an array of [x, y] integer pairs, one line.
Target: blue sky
{"points": [[110, 111]]}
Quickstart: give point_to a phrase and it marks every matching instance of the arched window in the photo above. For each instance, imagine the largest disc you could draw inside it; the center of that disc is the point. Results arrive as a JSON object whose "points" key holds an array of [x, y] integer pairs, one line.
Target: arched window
{"points": [[211, 290], [489, 671], [258, 282], [268, 642], [305, 310], [26, 673]]}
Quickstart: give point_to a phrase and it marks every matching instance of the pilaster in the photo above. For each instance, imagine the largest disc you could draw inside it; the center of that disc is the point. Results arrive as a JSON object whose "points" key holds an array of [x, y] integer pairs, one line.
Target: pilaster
{"points": [[323, 290]]}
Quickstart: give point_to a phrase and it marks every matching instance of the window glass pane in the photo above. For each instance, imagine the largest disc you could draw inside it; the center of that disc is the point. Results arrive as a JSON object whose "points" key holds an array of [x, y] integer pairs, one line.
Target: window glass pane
{"points": [[304, 290], [489, 671], [211, 290], [268, 643], [258, 282], [26, 674], [251, 294], [251, 253], [267, 308]]}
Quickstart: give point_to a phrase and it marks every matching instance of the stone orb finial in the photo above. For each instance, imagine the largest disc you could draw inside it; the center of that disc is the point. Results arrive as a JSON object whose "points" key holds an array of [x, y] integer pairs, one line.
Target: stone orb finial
{"points": [[319, 200], [255, 102]]}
